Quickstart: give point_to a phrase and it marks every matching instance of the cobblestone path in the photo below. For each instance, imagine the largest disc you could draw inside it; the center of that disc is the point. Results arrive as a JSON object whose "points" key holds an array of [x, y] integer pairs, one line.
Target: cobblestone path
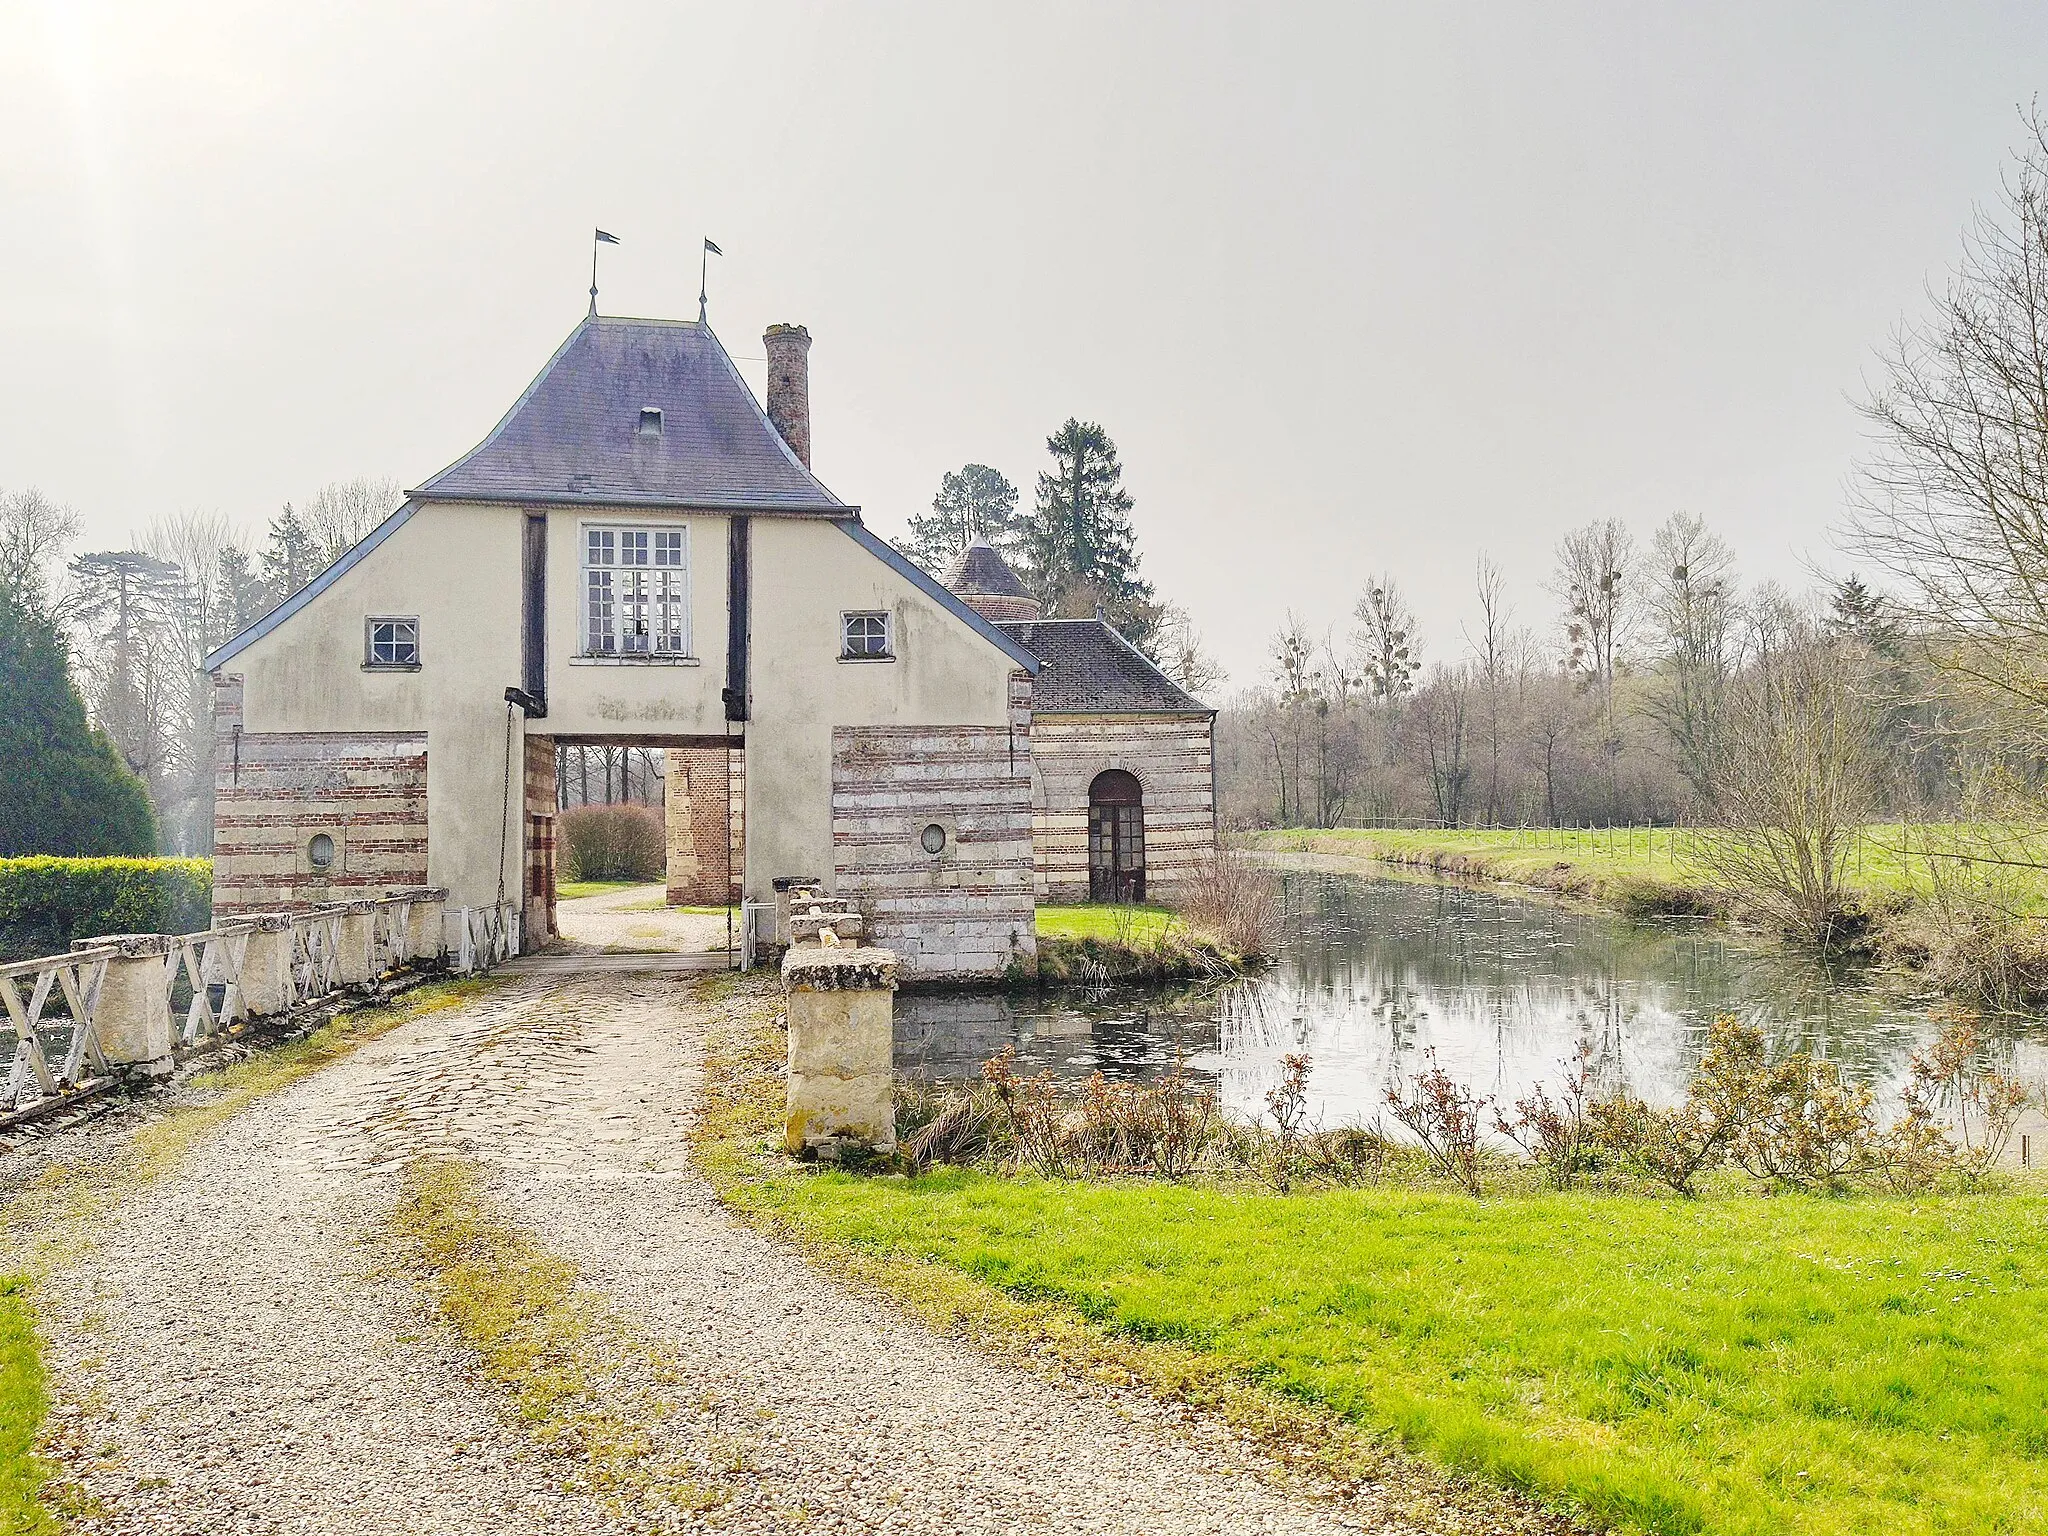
{"points": [[231, 1357]]}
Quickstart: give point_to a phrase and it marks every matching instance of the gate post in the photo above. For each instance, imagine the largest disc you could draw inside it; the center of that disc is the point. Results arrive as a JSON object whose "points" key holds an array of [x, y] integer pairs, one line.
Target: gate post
{"points": [[841, 1048], [132, 1017], [267, 964]]}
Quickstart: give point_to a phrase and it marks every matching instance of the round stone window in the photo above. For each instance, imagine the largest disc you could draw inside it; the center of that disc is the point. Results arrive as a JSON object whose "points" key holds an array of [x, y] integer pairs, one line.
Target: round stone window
{"points": [[933, 838], [320, 851]]}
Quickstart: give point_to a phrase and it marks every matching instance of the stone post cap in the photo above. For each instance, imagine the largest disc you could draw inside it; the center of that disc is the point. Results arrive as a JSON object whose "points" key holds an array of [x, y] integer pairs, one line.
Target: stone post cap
{"points": [[792, 882], [357, 906], [417, 893], [810, 924], [268, 922], [839, 970], [133, 946]]}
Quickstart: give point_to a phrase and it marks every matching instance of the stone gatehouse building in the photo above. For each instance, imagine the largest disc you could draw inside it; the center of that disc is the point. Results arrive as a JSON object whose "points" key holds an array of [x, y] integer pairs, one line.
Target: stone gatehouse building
{"points": [[639, 554]]}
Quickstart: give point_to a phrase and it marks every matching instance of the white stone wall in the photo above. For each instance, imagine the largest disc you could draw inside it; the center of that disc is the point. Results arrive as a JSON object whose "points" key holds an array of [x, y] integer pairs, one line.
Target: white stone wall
{"points": [[1171, 757], [968, 911]]}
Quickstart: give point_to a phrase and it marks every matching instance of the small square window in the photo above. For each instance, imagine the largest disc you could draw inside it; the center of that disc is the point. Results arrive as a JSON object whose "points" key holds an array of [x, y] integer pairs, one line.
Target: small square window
{"points": [[865, 637], [394, 643]]}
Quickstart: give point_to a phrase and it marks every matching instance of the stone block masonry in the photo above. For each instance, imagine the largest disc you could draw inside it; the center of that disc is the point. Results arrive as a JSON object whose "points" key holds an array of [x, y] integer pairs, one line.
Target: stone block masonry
{"points": [[841, 1031], [1171, 757], [961, 911], [275, 794], [705, 807]]}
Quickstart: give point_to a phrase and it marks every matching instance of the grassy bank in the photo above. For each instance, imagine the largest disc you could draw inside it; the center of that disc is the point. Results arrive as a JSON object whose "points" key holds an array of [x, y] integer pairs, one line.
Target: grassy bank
{"points": [[1097, 943], [1732, 1366], [23, 1400]]}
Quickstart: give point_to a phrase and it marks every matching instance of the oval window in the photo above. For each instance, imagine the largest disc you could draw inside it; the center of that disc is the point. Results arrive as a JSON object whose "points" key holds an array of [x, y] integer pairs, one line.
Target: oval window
{"points": [[321, 851], [933, 838]]}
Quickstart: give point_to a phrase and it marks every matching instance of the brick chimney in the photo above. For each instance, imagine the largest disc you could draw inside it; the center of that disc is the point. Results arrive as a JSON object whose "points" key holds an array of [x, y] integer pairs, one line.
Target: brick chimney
{"points": [[789, 386]]}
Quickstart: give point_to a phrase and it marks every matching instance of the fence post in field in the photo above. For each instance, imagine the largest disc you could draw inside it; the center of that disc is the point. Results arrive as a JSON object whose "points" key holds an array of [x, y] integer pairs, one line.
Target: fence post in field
{"points": [[132, 1019], [267, 964]]}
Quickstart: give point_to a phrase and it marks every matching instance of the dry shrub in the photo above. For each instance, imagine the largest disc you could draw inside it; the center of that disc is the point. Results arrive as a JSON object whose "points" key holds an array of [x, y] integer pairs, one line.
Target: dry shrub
{"points": [[1556, 1133], [1161, 1128], [1674, 1146], [1985, 1102], [1445, 1116], [613, 842], [1973, 928], [1234, 900], [1351, 1154]]}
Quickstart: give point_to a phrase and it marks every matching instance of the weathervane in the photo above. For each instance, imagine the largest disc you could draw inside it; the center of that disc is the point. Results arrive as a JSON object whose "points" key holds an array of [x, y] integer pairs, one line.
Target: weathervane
{"points": [[703, 273]]}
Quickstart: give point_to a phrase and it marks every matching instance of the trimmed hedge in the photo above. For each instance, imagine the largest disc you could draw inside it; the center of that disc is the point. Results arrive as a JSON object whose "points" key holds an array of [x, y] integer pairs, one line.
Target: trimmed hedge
{"points": [[45, 903]]}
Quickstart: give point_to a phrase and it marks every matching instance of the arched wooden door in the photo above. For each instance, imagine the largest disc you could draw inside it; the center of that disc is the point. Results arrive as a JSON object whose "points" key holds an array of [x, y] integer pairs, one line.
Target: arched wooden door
{"points": [[1116, 837]]}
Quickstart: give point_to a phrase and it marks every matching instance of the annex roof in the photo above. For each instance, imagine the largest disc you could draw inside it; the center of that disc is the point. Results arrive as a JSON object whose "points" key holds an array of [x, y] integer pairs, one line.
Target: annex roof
{"points": [[637, 413], [1087, 668]]}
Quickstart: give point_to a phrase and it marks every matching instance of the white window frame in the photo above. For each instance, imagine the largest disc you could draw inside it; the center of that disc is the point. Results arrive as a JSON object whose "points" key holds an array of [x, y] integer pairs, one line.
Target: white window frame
{"points": [[371, 662], [648, 592], [846, 623]]}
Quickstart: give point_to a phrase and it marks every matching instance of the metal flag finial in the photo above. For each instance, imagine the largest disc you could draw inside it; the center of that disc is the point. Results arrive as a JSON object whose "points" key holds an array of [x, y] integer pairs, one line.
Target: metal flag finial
{"points": [[597, 239], [704, 272]]}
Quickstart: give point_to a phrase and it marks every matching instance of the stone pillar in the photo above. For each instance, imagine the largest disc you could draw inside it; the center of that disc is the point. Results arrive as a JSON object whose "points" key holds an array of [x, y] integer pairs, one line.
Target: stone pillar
{"points": [[358, 943], [424, 939], [132, 1019], [267, 965], [841, 1048]]}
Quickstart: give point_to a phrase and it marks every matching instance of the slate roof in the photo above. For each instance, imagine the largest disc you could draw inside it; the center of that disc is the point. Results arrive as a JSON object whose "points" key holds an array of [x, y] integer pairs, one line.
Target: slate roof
{"points": [[979, 571], [575, 436], [1087, 668]]}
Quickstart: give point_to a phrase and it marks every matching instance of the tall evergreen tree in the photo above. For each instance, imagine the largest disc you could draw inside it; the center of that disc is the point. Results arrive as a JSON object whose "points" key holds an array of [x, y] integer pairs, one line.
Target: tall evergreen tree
{"points": [[239, 597], [68, 792], [291, 558], [974, 502], [1080, 551]]}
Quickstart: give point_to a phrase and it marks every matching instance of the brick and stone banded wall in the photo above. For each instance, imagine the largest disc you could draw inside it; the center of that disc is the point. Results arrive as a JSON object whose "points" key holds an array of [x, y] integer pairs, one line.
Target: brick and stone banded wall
{"points": [[1170, 756], [967, 913], [706, 824], [274, 793], [541, 794]]}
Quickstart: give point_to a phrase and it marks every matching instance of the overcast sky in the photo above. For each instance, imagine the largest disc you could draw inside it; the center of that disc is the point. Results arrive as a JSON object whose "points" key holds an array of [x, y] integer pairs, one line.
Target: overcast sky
{"points": [[1354, 288]]}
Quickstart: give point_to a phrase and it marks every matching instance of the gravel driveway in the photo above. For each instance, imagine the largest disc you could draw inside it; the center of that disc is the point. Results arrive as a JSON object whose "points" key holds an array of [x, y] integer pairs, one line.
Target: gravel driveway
{"points": [[232, 1357]]}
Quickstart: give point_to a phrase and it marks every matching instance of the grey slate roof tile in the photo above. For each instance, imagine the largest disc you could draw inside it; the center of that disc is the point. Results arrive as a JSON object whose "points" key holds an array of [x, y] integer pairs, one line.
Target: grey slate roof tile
{"points": [[1086, 668], [979, 570], [574, 436]]}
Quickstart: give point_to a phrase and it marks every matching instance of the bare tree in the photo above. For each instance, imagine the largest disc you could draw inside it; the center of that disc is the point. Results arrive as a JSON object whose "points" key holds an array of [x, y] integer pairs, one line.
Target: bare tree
{"points": [[1180, 654], [129, 616], [1388, 645], [1953, 502], [1440, 710], [1796, 782], [1692, 611], [342, 511], [1490, 651], [33, 532]]}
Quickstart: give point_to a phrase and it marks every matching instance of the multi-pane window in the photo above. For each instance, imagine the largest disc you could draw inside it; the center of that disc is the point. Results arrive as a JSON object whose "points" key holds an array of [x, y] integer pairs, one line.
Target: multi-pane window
{"points": [[864, 636], [394, 643], [636, 591]]}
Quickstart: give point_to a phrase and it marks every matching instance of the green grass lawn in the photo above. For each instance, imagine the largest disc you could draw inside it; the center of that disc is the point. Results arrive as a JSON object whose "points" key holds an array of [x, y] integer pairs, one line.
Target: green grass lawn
{"points": [[1138, 924], [571, 890], [1732, 1365], [22, 1403], [1879, 863]]}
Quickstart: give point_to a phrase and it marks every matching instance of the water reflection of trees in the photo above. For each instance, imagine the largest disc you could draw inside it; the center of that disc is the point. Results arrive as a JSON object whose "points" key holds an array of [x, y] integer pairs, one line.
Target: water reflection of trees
{"points": [[1374, 973]]}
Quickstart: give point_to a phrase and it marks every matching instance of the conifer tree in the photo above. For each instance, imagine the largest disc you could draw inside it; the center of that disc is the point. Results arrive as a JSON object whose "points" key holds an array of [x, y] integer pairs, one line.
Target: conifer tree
{"points": [[68, 792], [974, 502], [1080, 551], [291, 558]]}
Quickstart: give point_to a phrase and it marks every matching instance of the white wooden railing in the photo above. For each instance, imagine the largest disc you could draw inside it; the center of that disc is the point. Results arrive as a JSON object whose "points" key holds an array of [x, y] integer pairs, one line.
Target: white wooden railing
{"points": [[64, 1038]]}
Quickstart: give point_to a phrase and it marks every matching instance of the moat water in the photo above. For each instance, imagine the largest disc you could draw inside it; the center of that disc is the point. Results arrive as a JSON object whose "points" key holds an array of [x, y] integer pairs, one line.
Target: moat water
{"points": [[1372, 974]]}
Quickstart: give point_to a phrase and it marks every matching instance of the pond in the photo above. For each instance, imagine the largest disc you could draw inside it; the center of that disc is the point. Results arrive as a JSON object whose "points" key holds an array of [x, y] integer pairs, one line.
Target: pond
{"points": [[1375, 973]]}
